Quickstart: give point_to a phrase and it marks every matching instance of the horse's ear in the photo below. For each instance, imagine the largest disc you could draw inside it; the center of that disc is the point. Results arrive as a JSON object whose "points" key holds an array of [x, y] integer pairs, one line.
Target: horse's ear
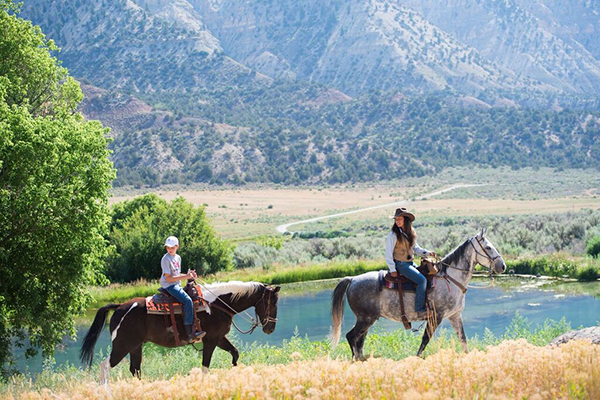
{"points": [[482, 233], [276, 289]]}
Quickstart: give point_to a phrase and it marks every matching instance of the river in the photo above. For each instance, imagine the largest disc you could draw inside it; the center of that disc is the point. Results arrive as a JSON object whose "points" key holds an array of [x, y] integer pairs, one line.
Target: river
{"points": [[308, 314]]}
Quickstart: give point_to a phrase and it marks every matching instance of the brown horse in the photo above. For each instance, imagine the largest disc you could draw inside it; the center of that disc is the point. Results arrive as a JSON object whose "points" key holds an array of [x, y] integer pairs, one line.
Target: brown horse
{"points": [[131, 326]]}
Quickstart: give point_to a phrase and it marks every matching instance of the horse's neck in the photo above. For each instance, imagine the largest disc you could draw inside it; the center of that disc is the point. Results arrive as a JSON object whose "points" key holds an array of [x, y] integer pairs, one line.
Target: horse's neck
{"points": [[462, 269], [243, 303]]}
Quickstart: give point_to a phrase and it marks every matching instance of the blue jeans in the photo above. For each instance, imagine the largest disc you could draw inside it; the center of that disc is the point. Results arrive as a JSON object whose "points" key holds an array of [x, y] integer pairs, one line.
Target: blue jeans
{"points": [[188, 306], [409, 270]]}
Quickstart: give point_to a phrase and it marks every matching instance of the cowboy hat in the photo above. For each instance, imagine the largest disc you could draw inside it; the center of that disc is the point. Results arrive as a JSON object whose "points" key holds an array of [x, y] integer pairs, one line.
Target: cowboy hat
{"points": [[403, 212]]}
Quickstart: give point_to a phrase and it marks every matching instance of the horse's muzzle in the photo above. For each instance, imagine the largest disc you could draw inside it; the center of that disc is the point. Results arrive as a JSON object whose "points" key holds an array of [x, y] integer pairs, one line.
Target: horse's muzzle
{"points": [[269, 328], [499, 266]]}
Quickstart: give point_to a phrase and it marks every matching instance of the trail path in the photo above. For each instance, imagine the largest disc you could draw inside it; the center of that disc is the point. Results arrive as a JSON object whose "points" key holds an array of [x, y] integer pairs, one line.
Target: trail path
{"points": [[284, 228]]}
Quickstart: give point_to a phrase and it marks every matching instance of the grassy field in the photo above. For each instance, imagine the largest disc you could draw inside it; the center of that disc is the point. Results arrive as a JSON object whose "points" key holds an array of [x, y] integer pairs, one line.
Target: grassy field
{"points": [[510, 369], [301, 368], [243, 213], [389, 351]]}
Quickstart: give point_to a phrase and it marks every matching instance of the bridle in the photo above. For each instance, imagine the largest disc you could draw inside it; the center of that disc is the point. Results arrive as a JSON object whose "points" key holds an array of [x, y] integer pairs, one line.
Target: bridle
{"points": [[256, 320], [485, 254], [268, 317]]}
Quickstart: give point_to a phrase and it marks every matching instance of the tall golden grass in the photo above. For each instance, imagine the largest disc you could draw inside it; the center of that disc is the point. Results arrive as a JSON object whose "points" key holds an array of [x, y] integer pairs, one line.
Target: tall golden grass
{"points": [[513, 369]]}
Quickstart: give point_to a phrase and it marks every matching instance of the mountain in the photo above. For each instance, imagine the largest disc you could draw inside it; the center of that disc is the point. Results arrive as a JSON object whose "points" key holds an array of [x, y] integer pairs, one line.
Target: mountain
{"points": [[466, 46], [355, 46], [538, 39], [575, 22], [328, 91], [140, 46], [303, 134]]}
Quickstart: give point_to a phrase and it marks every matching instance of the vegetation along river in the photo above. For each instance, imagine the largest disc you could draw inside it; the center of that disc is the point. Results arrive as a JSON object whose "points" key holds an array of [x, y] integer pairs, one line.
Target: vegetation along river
{"points": [[305, 310]]}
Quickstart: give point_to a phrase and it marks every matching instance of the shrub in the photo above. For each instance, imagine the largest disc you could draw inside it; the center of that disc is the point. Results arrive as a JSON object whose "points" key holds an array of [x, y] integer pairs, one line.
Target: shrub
{"points": [[271, 241], [593, 247], [589, 273], [139, 228], [558, 266]]}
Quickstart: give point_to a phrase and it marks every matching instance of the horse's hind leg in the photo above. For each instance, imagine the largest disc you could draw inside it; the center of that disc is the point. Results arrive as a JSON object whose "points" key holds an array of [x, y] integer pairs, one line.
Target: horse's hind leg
{"points": [[360, 344], [429, 331], [356, 337], [457, 323], [115, 357], [226, 345], [135, 362]]}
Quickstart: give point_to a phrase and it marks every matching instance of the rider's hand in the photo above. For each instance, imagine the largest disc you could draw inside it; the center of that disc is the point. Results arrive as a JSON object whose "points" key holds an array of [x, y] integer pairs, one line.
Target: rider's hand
{"points": [[432, 254], [192, 274], [394, 274]]}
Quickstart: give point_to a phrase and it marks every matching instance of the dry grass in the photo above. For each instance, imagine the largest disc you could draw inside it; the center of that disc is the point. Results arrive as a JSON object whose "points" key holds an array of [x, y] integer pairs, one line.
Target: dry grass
{"points": [[290, 202], [466, 208], [513, 369], [249, 212], [239, 213]]}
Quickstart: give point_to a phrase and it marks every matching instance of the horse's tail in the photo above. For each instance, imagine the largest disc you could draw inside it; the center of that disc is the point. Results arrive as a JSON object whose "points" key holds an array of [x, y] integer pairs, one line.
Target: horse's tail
{"points": [[91, 337], [337, 310]]}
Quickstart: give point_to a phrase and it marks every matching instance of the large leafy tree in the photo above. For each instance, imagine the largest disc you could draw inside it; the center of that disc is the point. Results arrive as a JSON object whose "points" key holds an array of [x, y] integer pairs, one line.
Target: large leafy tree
{"points": [[138, 231], [54, 180]]}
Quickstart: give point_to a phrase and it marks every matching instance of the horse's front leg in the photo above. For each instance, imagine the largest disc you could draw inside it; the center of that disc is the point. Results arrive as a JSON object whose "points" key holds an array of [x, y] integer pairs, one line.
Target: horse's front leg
{"points": [[457, 323], [207, 352], [226, 345], [429, 331]]}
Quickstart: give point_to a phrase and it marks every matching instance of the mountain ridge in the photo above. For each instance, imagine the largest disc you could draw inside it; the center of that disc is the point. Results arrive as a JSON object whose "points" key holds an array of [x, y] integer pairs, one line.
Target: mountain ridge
{"points": [[325, 92]]}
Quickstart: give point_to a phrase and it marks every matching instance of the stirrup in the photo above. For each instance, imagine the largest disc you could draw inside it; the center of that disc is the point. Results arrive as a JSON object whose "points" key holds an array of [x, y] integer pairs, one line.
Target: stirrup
{"points": [[197, 336]]}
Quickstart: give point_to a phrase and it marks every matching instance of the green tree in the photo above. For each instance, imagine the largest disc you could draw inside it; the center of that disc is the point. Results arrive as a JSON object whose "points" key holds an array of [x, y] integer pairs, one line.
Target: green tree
{"points": [[54, 180], [140, 227]]}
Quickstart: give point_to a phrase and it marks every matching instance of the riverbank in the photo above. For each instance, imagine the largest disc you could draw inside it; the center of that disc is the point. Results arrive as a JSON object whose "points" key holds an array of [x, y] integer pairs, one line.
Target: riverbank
{"points": [[556, 266]]}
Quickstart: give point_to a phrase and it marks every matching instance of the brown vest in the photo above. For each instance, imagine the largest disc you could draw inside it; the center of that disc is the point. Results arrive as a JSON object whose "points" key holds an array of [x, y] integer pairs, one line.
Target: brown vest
{"points": [[403, 251]]}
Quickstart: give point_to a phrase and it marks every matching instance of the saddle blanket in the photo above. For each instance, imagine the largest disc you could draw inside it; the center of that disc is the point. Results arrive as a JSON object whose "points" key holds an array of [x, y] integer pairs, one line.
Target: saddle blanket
{"points": [[406, 286], [157, 305]]}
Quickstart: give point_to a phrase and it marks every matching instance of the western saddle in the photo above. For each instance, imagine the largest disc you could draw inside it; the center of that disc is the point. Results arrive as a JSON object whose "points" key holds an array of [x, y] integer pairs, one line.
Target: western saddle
{"points": [[163, 303], [428, 268]]}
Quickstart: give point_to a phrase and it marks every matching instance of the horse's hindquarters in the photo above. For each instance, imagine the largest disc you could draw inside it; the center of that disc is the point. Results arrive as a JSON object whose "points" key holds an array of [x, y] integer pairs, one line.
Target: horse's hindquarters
{"points": [[364, 296]]}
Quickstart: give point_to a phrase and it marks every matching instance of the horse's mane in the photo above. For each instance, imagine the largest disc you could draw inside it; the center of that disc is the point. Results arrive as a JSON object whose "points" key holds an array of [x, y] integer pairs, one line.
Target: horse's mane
{"points": [[236, 288], [455, 255]]}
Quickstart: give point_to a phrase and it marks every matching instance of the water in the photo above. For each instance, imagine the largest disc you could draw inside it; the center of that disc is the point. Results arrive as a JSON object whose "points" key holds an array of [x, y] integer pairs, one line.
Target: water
{"points": [[308, 314], [492, 308]]}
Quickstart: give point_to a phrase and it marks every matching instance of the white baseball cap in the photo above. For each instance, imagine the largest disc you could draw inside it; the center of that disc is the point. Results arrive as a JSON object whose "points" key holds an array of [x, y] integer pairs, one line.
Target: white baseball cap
{"points": [[172, 241]]}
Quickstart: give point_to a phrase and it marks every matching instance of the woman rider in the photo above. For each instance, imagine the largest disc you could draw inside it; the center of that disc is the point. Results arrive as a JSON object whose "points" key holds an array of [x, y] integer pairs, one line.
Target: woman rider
{"points": [[401, 246]]}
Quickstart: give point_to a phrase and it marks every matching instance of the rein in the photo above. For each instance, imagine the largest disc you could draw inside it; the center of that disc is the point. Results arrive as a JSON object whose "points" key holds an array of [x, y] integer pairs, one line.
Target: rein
{"points": [[255, 322], [486, 255]]}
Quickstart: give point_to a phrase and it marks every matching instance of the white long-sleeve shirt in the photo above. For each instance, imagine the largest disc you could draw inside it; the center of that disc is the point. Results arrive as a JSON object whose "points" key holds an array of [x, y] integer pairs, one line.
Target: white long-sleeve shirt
{"points": [[390, 243]]}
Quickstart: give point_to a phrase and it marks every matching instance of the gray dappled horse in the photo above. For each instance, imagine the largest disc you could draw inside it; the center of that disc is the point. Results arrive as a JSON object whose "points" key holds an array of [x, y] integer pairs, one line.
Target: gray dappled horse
{"points": [[369, 303]]}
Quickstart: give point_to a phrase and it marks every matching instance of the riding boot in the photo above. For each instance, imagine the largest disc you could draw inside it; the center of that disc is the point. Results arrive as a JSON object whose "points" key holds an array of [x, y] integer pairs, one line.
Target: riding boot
{"points": [[196, 336]]}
